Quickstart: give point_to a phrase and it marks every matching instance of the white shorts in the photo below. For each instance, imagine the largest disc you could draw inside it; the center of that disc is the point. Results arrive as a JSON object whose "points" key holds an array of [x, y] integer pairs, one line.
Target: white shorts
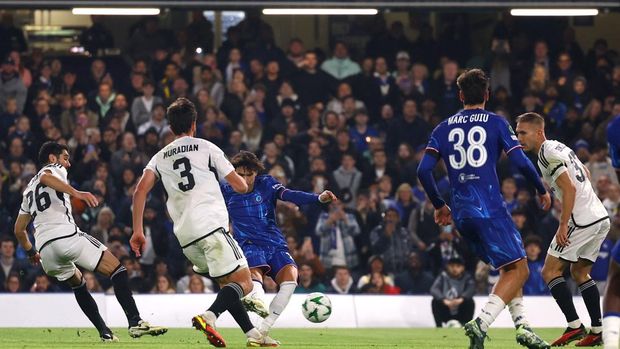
{"points": [[585, 242], [216, 254], [59, 257]]}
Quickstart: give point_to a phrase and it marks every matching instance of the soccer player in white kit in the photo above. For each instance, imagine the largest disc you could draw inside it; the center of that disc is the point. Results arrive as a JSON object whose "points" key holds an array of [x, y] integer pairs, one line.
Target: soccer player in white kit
{"points": [[584, 224], [190, 169], [60, 245]]}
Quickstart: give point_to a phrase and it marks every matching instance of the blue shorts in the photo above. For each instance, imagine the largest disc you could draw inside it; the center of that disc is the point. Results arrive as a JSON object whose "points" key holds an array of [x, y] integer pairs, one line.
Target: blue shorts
{"points": [[496, 241], [615, 252], [614, 154], [271, 259]]}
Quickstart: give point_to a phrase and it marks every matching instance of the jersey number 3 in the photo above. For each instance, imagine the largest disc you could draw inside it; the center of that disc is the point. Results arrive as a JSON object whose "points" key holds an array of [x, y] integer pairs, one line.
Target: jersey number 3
{"points": [[185, 173], [476, 138]]}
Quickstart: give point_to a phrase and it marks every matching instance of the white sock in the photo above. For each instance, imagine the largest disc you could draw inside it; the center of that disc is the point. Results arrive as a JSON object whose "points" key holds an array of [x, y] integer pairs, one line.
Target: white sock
{"points": [[209, 317], [611, 331], [490, 311], [253, 333], [575, 324], [257, 290], [517, 311], [277, 305]]}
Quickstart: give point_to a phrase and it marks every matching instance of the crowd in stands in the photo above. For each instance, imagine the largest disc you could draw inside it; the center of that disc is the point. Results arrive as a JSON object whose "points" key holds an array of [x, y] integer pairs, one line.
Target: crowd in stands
{"points": [[319, 120]]}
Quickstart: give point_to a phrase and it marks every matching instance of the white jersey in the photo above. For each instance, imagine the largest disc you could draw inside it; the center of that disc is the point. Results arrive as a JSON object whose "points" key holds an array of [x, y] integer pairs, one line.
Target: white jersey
{"points": [[190, 169], [555, 158], [50, 209]]}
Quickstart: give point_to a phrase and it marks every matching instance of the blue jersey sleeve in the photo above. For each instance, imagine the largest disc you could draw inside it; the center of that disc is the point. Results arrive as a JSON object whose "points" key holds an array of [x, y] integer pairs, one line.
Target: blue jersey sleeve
{"points": [[433, 141], [507, 137], [294, 196]]}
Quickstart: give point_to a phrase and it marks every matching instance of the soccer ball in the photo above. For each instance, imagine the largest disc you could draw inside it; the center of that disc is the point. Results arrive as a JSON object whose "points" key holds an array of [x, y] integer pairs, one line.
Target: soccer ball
{"points": [[317, 307], [452, 324]]}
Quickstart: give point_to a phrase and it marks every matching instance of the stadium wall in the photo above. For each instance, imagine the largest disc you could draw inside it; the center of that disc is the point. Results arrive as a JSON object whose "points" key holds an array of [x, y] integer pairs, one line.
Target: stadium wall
{"points": [[61, 310]]}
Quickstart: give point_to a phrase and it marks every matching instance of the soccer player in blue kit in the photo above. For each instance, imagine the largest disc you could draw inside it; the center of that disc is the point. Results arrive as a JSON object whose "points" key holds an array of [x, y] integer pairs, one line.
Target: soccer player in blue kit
{"points": [[254, 227], [611, 301], [470, 143]]}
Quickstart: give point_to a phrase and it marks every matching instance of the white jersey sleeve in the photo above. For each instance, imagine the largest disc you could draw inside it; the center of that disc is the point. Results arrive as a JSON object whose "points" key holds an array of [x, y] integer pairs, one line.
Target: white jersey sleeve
{"points": [[554, 163], [220, 162], [152, 166]]}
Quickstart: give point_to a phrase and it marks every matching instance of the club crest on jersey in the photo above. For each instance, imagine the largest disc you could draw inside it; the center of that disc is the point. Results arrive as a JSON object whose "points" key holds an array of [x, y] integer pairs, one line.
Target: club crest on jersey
{"points": [[258, 198], [465, 177]]}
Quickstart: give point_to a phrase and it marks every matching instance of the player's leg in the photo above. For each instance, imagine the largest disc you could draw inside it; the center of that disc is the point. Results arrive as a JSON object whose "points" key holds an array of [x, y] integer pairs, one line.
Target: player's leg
{"points": [[257, 261], [525, 335], [580, 272], [56, 260], [111, 267], [611, 303], [552, 272], [286, 278]]}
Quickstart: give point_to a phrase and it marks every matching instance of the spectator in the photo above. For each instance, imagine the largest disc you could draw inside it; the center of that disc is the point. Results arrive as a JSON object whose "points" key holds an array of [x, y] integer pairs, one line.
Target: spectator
{"points": [[445, 92], [184, 282], [313, 85], [380, 167], [13, 284], [509, 193], [209, 81], [385, 84], [375, 265], [11, 85], [97, 37], [342, 282], [42, 284], [378, 285], [453, 292], [307, 282], [251, 128], [348, 179], [128, 156], [165, 285], [361, 132], [535, 284], [157, 121], [92, 284], [600, 165], [26, 76], [414, 279], [105, 221], [391, 241], [8, 262], [408, 129], [196, 285], [77, 115], [337, 230], [142, 106], [340, 65]]}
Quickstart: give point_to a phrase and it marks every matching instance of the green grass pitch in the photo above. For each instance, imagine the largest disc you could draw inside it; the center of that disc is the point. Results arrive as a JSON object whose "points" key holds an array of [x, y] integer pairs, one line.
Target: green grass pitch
{"points": [[451, 338]]}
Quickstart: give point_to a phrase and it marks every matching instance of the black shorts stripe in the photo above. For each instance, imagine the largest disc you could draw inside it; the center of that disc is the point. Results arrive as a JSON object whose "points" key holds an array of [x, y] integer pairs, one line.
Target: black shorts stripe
{"points": [[587, 225], [559, 248], [204, 236], [92, 240], [54, 239], [237, 253]]}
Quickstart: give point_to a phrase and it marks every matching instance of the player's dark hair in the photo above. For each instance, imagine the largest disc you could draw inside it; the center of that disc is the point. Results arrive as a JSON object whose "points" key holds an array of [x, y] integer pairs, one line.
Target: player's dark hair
{"points": [[181, 115], [532, 118], [50, 148], [474, 84], [248, 160]]}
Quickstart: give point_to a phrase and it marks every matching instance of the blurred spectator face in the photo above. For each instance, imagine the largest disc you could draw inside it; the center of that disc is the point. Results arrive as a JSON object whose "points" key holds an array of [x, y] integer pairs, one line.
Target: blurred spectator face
{"points": [[97, 68], [137, 81], [11, 106], [361, 119], [69, 78], [91, 281], [129, 177], [410, 109], [236, 138], [368, 65], [140, 67], [564, 61], [519, 219], [7, 249], [391, 217], [286, 90], [311, 60], [348, 162], [287, 111], [278, 173], [234, 56], [271, 150], [318, 165], [344, 90], [129, 142], [579, 86], [404, 151], [342, 277], [552, 92], [109, 136], [305, 273], [158, 113], [163, 285], [455, 270], [42, 283], [172, 72], [314, 149], [56, 66], [42, 107], [292, 245], [387, 112], [279, 140], [16, 149], [381, 66], [79, 101], [15, 169], [273, 68], [450, 71], [196, 285], [120, 102], [8, 68], [256, 67], [419, 72], [402, 64], [379, 159], [23, 124], [13, 284], [331, 121], [532, 250], [541, 50], [376, 266], [180, 86], [340, 51], [296, 48], [509, 188], [342, 138], [415, 263]]}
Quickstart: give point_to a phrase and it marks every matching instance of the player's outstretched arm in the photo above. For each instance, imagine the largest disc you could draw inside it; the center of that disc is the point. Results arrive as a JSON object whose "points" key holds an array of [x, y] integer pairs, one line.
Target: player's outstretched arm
{"points": [[517, 157], [569, 192], [443, 215], [57, 184], [144, 186], [22, 237], [236, 182], [302, 198]]}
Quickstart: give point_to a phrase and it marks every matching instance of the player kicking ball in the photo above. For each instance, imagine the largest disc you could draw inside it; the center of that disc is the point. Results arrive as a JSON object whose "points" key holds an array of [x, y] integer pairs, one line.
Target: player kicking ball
{"points": [[584, 224], [61, 245], [470, 143], [255, 229], [189, 169]]}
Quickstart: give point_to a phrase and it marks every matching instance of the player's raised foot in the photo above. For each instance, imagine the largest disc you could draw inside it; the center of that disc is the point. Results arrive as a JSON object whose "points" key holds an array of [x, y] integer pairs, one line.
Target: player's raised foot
{"points": [[208, 328], [591, 340], [264, 341], [529, 339], [256, 305], [570, 335], [108, 337], [144, 328], [475, 334]]}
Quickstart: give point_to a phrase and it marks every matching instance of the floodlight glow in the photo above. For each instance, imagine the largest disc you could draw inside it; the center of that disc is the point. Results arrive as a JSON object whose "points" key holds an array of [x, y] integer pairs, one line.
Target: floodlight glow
{"points": [[320, 11], [554, 12], [111, 11]]}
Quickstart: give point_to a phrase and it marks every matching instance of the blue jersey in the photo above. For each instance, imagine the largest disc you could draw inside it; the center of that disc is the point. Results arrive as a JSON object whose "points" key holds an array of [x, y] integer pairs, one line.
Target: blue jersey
{"points": [[613, 137], [253, 214], [470, 143]]}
